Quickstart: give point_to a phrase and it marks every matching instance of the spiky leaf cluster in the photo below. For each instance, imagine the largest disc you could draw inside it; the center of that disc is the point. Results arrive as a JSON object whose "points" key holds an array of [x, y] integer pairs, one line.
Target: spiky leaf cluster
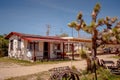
{"points": [[109, 35]]}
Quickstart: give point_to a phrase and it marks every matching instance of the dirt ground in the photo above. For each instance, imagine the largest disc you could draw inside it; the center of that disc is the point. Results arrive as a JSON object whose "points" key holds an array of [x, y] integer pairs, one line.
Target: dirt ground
{"points": [[13, 70]]}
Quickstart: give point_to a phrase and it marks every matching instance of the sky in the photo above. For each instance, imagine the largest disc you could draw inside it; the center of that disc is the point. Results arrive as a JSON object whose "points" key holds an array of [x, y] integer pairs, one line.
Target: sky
{"points": [[33, 16]]}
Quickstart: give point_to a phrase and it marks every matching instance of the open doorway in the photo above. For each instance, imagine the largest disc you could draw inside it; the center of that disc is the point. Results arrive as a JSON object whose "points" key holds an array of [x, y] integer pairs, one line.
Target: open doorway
{"points": [[46, 50]]}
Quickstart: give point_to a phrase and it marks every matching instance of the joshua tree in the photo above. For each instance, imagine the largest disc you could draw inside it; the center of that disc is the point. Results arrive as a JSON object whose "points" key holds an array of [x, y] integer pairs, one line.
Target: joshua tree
{"points": [[75, 25], [108, 35]]}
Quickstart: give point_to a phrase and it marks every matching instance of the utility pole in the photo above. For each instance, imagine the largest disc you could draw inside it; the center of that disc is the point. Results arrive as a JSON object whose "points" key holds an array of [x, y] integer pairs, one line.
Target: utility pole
{"points": [[48, 30]]}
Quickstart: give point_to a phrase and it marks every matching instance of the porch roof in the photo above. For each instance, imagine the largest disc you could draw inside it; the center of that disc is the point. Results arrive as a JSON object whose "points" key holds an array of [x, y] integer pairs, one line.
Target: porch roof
{"points": [[31, 39], [72, 39]]}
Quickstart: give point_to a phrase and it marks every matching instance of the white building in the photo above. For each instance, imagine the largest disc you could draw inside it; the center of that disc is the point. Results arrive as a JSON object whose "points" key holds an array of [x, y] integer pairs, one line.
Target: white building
{"points": [[33, 47]]}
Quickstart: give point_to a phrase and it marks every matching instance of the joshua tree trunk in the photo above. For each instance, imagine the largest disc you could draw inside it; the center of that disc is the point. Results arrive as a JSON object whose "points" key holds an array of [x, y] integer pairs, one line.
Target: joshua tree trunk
{"points": [[94, 44], [94, 50], [78, 34]]}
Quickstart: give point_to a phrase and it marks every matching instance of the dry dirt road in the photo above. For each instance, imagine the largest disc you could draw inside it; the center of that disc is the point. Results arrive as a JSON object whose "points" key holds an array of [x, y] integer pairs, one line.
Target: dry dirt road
{"points": [[14, 70]]}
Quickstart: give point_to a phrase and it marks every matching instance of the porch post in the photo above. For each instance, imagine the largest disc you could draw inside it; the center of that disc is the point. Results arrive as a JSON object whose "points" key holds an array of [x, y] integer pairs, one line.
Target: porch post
{"points": [[34, 56], [63, 51], [72, 51], [48, 57]]}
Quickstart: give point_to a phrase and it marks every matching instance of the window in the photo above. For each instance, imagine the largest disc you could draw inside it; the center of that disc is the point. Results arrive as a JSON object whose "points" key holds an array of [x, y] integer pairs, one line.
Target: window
{"points": [[19, 44], [57, 46], [11, 44], [37, 46], [31, 46]]}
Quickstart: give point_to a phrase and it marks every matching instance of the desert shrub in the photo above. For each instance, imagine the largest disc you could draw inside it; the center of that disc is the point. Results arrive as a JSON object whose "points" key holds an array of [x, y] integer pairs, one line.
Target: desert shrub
{"points": [[1, 53], [3, 46], [104, 74], [74, 68], [83, 54]]}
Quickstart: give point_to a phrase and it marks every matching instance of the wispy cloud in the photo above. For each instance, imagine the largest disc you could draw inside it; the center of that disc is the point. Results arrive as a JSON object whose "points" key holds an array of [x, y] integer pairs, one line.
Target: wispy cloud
{"points": [[55, 6]]}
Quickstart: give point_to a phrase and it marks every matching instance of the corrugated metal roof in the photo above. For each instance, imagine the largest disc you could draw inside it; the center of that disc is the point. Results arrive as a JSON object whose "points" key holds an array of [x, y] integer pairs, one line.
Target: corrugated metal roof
{"points": [[31, 37]]}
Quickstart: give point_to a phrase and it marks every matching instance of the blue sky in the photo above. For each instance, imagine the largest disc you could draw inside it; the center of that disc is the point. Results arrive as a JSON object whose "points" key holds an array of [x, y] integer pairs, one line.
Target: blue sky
{"points": [[32, 16]]}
